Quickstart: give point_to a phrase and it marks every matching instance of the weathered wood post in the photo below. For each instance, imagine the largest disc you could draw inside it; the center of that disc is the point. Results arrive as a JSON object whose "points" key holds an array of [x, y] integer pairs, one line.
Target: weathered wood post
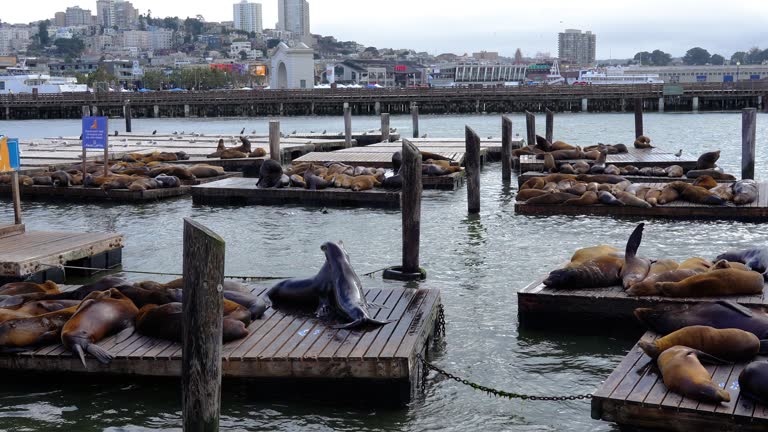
{"points": [[274, 140], [550, 125], [385, 127], [127, 115], [347, 125], [472, 166], [203, 306], [638, 117], [506, 148], [415, 119], [748, 128], [530, 127], [16, 197], [106, 158]]}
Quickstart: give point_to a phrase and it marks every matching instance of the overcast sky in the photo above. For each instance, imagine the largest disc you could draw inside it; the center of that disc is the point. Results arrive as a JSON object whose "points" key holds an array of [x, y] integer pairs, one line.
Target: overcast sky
{"points": [[439, 26]]}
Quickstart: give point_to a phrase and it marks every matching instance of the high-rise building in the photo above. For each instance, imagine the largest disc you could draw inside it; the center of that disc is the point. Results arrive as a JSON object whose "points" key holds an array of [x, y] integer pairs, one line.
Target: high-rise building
{"points": [[126, 16], [74, 16], [293, 16], [105, 13], [60, 19], [576, 47], [247, 16]]}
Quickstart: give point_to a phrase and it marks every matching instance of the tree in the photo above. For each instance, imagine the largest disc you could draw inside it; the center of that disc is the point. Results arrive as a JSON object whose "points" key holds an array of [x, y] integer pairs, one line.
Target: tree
{"points": [[660, 58], [153, 79], [739, 56], [101, 75], [696, 56], [69, 47], [717, 59], [271, 43], [755, 56], [243, 55], [644, 57], [42, 33]]}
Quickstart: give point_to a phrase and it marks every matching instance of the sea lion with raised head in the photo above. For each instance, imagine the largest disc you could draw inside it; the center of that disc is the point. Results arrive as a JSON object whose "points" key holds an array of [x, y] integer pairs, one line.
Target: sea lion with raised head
{"points": [[543, 144], [549, 163], [270, 174], [753, 381], [61, 179], [728, 344], [682, 372], [721, 314], [708, 160]]}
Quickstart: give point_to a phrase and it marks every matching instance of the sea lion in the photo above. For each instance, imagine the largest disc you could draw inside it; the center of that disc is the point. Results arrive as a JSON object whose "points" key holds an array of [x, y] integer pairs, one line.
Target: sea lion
{"points": [[172, 170], [144, 184], [612, 170], [81, 293], [658, 271], [297, 181], [610, 179], [753, 381], [101, 314], [567, 169], [40, 307], [608, 198], [302, 291], [756, 259], [630, 170], [425, 155], [643, 142], [728, 344], [165, 322], [587, 198], [674, 171], [719, 314], [602, 271], [314, 182], [705, 181], [16, 288], [527, 194], [219, 148], [708, 160], [206, 171], [577, 189], [589, 253], [347, 298], [257, 153], [722, 281], [744, 192], [543, 144], [270, 174], [255, 305], [724, 191], [533, 183], [393, 182], [668, 195], [560, 145], [61, 179], [42, 180], [631, 200], [549, 163], [22, 333], [581, 167], [245, 145], [10, 314], [635, 268], [551, 198], [715, 173], [563, 155], [232, 153], [429, 170], [683, 373]]}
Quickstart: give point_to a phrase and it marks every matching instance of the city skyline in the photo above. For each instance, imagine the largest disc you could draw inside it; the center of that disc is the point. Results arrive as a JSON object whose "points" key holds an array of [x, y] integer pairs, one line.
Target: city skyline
{"points": [[622, 29]]}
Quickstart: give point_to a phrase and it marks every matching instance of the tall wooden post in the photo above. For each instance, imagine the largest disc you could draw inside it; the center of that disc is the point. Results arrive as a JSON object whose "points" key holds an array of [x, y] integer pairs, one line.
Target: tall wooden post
{"points": [[472, 166], [415, 119], [127, 115], [274, 140], [347, 125], [638, 117], [385, 127], [84, 157], [506, 148], [411, 206], [17, 197], [530, 128], [748, 127], [550, 125], [203, 306]]}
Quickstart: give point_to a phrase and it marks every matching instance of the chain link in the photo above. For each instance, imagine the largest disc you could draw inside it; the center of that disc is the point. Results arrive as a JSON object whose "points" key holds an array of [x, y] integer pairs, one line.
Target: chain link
{"points": [[440, 325], [426, 367]]}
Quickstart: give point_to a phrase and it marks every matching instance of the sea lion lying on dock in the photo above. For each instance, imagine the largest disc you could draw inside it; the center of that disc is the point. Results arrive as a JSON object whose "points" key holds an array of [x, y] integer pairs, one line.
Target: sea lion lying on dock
{"points": [[753, 381], [716, 282], [755, 258], [165, 322], [720, 314], [682, 372], [728, 344], [643, 142], [24, 333]]}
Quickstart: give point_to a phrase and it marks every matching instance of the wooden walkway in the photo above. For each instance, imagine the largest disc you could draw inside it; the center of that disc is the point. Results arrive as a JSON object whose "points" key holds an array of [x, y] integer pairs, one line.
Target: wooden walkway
{"points": [[32, 253], [640, 158], [291, 346], [540, 306], [635, 396], [243, 191], [756, 211], [522, 178]]}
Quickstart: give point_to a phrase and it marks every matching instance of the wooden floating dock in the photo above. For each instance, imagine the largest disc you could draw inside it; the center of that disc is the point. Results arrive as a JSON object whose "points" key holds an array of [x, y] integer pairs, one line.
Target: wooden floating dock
{"points": [[756, 211], [29, 254], [640, 158], [541, 306], [95, 194], [286, 346], [636, 397], [240, 191], [522, 178]]}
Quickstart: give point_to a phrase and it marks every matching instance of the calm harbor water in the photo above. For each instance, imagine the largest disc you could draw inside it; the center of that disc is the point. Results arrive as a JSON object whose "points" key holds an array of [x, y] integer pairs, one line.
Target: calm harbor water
{"points": [[478, 263]]}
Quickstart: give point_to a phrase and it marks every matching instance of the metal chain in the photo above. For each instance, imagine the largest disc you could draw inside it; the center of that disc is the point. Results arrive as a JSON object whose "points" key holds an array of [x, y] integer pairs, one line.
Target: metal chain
{"points": [[440, 325], [500, 393]]}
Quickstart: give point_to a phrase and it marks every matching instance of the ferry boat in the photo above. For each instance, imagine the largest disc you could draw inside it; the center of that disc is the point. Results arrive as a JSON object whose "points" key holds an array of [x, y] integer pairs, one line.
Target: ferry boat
{"points": [[20, 80], [614, 75]]}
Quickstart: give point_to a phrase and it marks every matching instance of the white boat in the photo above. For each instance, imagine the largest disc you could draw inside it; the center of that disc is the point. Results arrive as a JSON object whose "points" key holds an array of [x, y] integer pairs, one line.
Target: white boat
{"points": [[25, 83], [614, 75]]}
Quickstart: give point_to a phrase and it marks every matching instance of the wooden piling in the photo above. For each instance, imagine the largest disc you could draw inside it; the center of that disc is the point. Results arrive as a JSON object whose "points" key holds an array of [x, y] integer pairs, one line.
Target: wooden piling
{"points": [[415, 119], [638, 117], [127, 115], [385, 127], [530, 126], [203, 306], [410, 204], [550, 125], [86, 111], [17, 197], [748, 128], [274, 140], [472, 167], [506, 148], [347, 125]]}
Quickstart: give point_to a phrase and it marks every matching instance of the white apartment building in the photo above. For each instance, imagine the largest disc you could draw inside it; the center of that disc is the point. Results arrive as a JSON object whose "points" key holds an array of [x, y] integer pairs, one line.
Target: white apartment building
{"points": [[161, 39], [293, 16], [247, 16]]}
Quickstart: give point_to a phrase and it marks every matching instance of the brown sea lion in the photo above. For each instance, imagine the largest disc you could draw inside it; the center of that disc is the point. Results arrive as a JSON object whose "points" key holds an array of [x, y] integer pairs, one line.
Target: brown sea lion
{"points": [[657, 271], [630, 170], [231, 153], [567, 169], [527, 194], [10, 314], [728, 344], [708, 160], [728, 281], [257, 152], [101, 314], [18, 334], [724, 191], [560, 145], [603, 271], [668, 195], [674, 171], [144, 184], [16, 288], [564, 155], [551, 198], [608, 198], [557, 178], [635, 268], [40, 307], [206, 171], [715, 173], [683, 373], [533, 183], [595, 155], [165, 322], [581, 167], [612, 170], [589, 253], [696, 194], [577, 189], [705, 181], [610, 179], [549, 163], [643, 142], [631, 200], [744, 192], [244, 147]]}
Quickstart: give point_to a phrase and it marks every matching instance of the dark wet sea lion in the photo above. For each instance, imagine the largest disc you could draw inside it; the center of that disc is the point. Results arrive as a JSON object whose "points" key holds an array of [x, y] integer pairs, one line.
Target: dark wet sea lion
{"points": [[41, 307], [719, 282], [425, 155], [397, 161], [635, 268], [608, 198], [728, 344], [719, 314], [42, 180], [683, 373], [314, 182], [302, 291], [167, 181], [34, 331], [564, 154], [611, 170], [744, 192], [17, 288], [708, 160], [715, 173], [270, 174], [695, 194], [165, 322], [61, 179], [255, 305], [753, 381], [393, 182], [754, 258], [101, 314], [543, 144], [348, 298], [297, 181]]}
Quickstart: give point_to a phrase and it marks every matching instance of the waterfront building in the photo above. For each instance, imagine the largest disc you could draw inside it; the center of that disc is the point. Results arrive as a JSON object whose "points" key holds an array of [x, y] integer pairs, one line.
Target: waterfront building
{"points": [[575, 47], [293, 16], [475, 73], [75, 16], [384, 73], [703, 74], [292, 68], [247, 16]]}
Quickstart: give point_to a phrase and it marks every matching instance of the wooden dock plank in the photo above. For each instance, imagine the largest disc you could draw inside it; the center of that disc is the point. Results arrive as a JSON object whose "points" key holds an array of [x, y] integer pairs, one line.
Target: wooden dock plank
{"points": [[389, 301]]}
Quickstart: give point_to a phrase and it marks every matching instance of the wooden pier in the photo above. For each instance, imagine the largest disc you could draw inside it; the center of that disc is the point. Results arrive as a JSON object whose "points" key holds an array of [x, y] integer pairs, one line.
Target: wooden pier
{"points": [[634, 396], [34, 254], [756, 211], [289, 347], [541, 306], [640, 158], [243, 191]]}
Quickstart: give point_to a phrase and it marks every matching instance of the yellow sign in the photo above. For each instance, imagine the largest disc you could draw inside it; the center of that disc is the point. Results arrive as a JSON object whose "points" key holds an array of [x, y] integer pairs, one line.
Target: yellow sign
{"points": [[5, 157]]}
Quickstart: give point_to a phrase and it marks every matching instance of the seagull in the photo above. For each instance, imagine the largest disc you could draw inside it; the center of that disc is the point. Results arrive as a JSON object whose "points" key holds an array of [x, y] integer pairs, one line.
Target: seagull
{"points": [[424, 136], [242, 131], [154, 132], [490, 137], [175, 133], [253, 132], [181, 133], [325, 131], [293, 133], [679, 153], [115, 133]]}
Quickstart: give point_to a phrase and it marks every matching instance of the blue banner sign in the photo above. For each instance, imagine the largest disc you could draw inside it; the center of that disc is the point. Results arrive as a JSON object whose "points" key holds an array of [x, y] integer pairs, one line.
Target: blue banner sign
{"points": [[95, 133], [10, 159]]}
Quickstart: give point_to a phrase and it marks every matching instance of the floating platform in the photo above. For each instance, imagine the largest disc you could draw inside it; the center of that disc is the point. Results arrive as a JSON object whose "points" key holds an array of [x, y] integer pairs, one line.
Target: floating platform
{"points": [[243, 191], [287, 347], [30, 255], [640, 158], [756, 211], [522, 178], [635, 397], [610, 307]]}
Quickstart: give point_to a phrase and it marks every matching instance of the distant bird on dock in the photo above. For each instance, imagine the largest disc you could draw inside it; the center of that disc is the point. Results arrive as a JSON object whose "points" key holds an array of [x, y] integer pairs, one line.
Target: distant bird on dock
{"points": [[242, 131], [424, 136], [253, 132], [175, 133], [490, 137], [679, 153], [154, 132], [325, 131], [293, 133], [115, 133], [181, 133]]}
